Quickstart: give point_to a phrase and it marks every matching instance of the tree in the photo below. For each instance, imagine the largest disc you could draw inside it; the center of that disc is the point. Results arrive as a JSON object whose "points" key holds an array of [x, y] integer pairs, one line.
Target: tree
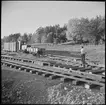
{"points": [[25, 38], [63, 37], [94, 28], [86, 30], [50, 37], [44, 39], [71, 28], [30, 38], [101, 29], [37, 36], [12, 37]]}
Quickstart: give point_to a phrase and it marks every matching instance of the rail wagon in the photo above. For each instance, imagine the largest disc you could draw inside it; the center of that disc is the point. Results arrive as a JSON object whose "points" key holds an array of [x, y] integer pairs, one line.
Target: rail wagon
{"points": [[11, 46], [24, 47], [28, 48], [5, 47]]}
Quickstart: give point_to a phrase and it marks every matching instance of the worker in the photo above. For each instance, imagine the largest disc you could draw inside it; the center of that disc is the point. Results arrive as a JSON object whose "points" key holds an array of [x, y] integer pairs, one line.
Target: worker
{"points": [[36, 51], [83, 56]]}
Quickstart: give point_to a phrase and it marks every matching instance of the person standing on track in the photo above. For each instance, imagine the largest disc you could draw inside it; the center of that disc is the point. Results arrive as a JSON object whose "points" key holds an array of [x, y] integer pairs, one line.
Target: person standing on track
{"points": [[36, 51], [83, 56]]}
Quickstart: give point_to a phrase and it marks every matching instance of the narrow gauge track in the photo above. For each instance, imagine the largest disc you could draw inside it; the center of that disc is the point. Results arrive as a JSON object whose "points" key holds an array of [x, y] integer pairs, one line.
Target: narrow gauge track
{"points": [[63, 53], [47, 69], [65, 62], [69, 59]]}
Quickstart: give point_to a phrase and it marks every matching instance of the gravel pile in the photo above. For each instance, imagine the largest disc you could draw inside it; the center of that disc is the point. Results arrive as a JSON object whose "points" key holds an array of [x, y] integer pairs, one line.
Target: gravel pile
{"points": [[68, 94]]}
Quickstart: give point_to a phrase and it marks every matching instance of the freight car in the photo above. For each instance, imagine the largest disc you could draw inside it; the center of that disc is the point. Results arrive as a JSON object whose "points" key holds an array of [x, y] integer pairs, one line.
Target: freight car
{"points": [[25, 48], [12, 46], [31, 49]]}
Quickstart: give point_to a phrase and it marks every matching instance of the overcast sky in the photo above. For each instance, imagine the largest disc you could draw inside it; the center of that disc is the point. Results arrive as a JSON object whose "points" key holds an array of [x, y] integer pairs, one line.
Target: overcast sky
{"points": [[27, 16]]}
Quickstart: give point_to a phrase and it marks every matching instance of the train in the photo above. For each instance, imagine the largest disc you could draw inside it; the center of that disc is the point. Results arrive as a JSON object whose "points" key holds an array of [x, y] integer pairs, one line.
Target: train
{"points": [[37, 49], [21, 47]]}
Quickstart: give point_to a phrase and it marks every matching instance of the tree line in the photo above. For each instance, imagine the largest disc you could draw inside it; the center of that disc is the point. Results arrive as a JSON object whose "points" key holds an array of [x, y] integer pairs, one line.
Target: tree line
{"points": [[50, 34], [78, 30], [87, 30]]}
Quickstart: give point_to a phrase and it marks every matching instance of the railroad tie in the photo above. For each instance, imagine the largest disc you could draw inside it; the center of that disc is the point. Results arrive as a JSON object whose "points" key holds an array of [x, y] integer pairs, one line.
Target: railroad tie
{"points": [[27, 70], [53, 77], [39, 73], [46, 75]]}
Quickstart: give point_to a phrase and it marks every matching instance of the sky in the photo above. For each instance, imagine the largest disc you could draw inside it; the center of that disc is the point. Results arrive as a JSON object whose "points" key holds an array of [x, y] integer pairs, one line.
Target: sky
{"points": [[27, 16]]}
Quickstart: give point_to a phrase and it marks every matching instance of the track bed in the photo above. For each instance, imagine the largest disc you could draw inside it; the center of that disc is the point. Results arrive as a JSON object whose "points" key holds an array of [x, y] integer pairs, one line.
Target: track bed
{"points": [[53, 70]]}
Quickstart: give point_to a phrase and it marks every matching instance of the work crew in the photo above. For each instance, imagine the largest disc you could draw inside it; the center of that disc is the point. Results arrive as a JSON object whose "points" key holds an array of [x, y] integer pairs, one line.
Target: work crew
{"points": [[83, 56]]}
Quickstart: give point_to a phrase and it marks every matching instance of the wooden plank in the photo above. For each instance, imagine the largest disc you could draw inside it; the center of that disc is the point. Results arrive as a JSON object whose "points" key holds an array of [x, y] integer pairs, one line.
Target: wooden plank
{"points": [[85, 75], [81, 79], [96, 71]]}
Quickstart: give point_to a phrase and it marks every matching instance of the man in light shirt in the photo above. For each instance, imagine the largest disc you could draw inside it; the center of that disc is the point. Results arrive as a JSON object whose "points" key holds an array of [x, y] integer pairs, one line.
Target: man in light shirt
{"points": [[36, 51], [83, 56]]}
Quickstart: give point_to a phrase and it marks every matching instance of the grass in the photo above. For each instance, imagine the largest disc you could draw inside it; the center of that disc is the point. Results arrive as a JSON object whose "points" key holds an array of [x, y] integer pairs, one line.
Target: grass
{"points": [[94, 52], [21, 87]]}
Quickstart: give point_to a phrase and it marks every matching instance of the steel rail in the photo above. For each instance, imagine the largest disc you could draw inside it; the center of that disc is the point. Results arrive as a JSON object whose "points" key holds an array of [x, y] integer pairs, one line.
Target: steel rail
{"points": [[89, 69], [54, 72]]}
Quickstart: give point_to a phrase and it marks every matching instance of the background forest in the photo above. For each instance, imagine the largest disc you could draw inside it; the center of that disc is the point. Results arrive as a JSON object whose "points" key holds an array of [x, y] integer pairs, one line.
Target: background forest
{"points": [[78, 31]]}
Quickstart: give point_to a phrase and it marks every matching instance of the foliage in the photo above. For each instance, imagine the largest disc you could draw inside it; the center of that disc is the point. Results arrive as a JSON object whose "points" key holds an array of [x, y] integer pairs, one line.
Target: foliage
{"points": [[11, 37], [25, 38], [81, 30], [44, 39], [49, 33]]}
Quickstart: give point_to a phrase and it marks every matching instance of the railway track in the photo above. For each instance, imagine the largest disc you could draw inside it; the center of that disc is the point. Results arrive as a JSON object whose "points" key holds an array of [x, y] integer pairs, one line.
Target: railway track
{"points": [[67, 57], [90, 76]]}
